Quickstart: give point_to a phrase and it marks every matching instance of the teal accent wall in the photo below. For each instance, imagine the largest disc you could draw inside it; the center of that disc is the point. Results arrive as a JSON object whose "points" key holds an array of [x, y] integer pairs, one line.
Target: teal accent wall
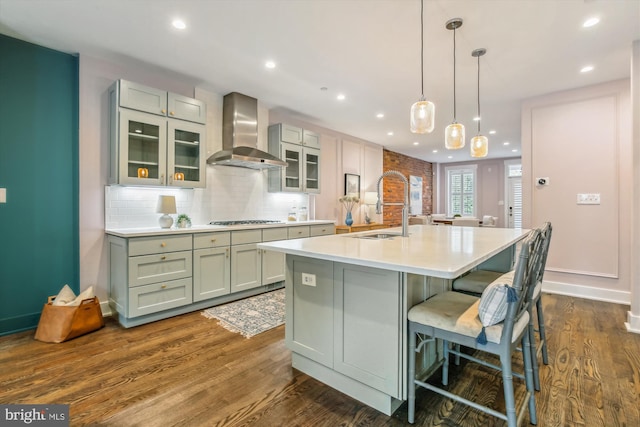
{"points": [[39, 237]]}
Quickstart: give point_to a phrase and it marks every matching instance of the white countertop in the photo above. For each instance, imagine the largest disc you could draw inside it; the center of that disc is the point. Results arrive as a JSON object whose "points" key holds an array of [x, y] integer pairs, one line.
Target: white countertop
{"points": [[438, 251], [157, 231]]}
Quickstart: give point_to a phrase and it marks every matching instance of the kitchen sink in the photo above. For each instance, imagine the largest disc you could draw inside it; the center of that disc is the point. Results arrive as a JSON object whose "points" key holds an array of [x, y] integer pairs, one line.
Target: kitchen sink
{"points": [[379, 236]]}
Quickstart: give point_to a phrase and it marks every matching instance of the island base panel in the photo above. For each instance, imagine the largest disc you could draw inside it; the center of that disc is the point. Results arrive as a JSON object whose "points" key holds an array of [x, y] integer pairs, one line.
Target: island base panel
{"points": [[352, 388]]}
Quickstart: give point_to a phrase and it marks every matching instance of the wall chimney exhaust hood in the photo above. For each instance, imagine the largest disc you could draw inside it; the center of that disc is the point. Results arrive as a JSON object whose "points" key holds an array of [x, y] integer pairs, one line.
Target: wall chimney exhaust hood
{"points": [[240, 136]]}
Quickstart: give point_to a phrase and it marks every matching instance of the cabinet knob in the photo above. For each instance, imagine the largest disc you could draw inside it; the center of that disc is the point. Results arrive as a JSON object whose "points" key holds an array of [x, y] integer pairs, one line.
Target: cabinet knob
{"points": [[163, 111], [163, 244], [227, 252], [213, 240], [163, 258], [172, 113], [164, 286]]}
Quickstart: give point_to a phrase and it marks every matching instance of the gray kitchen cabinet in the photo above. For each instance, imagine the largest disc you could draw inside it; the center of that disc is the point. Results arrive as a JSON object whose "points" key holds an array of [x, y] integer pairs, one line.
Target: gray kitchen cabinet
{"points": [[321, 230], [302, 154], [309, 308], [246, 261], [150, 274], [330, 307], [211, 265], [156, 101], [273, 263], [363, 331], [147, 147]]}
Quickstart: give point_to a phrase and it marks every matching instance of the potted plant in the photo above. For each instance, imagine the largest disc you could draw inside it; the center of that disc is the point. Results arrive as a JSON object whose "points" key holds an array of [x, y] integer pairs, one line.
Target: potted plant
{"points": [[183, 221]]}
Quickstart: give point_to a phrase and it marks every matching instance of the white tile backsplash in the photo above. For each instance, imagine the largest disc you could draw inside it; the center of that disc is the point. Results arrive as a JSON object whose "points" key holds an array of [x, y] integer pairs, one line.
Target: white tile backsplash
{"points": [[231, 193]]}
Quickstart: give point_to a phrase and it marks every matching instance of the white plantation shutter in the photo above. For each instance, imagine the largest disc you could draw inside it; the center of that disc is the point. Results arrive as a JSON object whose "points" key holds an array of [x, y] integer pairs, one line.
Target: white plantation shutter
{"points": [[461, 186], [515, 199]]}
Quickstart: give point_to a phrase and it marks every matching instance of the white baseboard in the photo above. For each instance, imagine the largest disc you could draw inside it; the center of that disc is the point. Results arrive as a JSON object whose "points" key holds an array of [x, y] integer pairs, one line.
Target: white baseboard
{"points": [[587, 292], [633, 323], [106, 309]]}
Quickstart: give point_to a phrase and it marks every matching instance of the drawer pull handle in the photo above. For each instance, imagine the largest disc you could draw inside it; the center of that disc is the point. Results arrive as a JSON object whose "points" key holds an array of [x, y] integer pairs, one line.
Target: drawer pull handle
{"points": [[163, 244], [164, 286], [163, 257], [213, 240]]}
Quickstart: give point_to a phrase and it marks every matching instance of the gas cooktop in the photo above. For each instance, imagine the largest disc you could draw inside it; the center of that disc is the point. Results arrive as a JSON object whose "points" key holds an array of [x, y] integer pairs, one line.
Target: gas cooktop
{"points": [[245, 221]]}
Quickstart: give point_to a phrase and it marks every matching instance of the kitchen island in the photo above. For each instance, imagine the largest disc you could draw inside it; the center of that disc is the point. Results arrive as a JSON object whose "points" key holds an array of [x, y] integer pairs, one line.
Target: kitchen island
{"points": [[347, 299]]}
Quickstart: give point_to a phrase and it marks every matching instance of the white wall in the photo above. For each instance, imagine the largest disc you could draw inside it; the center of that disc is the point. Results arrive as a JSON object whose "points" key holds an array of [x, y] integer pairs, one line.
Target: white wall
{"points": [[633, 318], [581, 140]]}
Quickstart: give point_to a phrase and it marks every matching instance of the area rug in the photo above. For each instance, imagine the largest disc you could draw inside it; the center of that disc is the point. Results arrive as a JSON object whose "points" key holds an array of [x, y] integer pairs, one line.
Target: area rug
{"points": [[250, 316]]}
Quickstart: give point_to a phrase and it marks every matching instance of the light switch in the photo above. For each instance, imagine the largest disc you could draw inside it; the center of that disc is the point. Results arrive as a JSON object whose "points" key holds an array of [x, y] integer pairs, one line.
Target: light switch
{"points": [[588, 198], [3, 195], [308, 279]]}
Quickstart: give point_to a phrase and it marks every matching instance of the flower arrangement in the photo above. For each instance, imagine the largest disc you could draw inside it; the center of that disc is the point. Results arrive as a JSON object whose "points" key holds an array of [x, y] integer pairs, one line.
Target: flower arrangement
{"points": [[349, 201]]}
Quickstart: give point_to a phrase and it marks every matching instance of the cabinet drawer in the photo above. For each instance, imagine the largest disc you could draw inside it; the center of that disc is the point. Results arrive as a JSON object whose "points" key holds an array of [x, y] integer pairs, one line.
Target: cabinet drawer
{"points": [[321, 230], [242, 237], [298, 232], [211, 240], [272, 234], [157, 245], [160, 296], [147, 269], [143, 98]]}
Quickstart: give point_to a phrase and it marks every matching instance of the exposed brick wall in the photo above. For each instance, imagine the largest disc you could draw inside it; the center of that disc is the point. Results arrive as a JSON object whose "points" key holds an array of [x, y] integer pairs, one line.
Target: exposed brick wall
{"points": [[393, 188]]}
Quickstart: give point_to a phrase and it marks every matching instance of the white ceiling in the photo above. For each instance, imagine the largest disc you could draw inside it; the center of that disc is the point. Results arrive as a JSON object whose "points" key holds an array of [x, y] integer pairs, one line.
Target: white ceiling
{"points": [[367, 49]]}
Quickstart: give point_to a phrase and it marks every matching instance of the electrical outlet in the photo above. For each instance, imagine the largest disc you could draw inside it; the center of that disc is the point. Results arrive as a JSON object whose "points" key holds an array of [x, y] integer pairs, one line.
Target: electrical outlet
{"points": [[308, 279], [588, 198], [3, 195]]}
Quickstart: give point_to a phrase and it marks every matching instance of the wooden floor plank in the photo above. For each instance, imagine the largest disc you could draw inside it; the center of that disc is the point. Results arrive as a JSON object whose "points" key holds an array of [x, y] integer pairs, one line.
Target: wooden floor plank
{"points": [[188, 371]]}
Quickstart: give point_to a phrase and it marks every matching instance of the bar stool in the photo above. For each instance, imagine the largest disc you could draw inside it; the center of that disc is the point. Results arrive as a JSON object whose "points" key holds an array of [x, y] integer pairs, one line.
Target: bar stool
{"points": [[496, 323]]}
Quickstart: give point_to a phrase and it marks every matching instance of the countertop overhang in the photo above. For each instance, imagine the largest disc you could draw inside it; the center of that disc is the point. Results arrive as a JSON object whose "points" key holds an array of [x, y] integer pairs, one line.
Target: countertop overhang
{"points": [[157, 231], [438, 251]]}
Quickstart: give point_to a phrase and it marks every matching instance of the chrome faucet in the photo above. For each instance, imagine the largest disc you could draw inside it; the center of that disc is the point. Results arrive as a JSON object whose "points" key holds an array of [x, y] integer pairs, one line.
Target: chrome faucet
{"points": [[405, 206]]}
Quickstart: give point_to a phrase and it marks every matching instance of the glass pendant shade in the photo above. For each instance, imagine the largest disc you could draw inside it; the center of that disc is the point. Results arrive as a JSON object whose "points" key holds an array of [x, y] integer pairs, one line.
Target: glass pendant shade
{"points": [[479, 146], [454, 136], [423, 116]]}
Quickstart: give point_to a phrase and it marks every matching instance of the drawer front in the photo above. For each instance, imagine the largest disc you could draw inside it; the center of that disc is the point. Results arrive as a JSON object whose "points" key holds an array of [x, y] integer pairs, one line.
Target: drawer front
{"points": [[321, 230], [298, 232], [273, 234], [242, 237], [159, 244], [160, 296], [147, 269], [211, 240]]}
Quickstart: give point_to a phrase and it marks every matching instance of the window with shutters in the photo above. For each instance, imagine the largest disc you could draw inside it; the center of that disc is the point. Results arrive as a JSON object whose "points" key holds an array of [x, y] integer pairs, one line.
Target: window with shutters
{"points": [[513, 173], [461, 190]]}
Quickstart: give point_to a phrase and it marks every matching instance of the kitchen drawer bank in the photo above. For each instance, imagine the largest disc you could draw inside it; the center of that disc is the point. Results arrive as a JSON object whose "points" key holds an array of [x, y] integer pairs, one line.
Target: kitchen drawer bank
{"points": [[155, 274]]}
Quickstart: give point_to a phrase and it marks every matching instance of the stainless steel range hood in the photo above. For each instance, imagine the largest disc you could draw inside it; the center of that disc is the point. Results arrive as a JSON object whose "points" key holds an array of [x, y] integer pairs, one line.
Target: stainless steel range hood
{"points": [[240, 136]]}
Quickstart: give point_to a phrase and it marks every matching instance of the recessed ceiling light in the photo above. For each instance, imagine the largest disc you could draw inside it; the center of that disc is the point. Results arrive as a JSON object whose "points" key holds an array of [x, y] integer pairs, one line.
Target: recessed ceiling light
{"points": [[449, 157], [179, 24], [435, 151], [416, 143], [380, 115], [505, 143], [340, 97], [515, 150], [492, 132], [586, 69], [476, 119], [270, 64], [390, 133], [591, 22]]}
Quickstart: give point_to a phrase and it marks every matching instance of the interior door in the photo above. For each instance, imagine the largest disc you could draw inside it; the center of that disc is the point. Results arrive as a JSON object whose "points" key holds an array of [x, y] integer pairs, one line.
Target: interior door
{"points": [[514, 202]]}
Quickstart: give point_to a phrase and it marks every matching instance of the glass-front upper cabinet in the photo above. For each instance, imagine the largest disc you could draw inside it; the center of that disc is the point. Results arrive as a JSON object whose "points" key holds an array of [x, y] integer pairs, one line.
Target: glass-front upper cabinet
{"points": [[186, 164], [149, 148], [143, 145], [296, 146]]}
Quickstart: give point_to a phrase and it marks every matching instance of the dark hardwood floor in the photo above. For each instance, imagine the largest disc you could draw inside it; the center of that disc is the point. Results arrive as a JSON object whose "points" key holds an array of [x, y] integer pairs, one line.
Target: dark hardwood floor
{"points": [[187, 371]]}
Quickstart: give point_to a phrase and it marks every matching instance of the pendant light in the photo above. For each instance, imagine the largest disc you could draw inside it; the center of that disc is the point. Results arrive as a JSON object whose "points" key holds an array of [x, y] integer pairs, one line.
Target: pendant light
{"points": [[422, 112], [479, 143], [454, 133]]}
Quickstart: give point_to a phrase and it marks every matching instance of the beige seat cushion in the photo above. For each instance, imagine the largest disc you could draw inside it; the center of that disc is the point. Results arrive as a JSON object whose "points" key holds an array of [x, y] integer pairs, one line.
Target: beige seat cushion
{"points": [[456, 312], [476, 281]]}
